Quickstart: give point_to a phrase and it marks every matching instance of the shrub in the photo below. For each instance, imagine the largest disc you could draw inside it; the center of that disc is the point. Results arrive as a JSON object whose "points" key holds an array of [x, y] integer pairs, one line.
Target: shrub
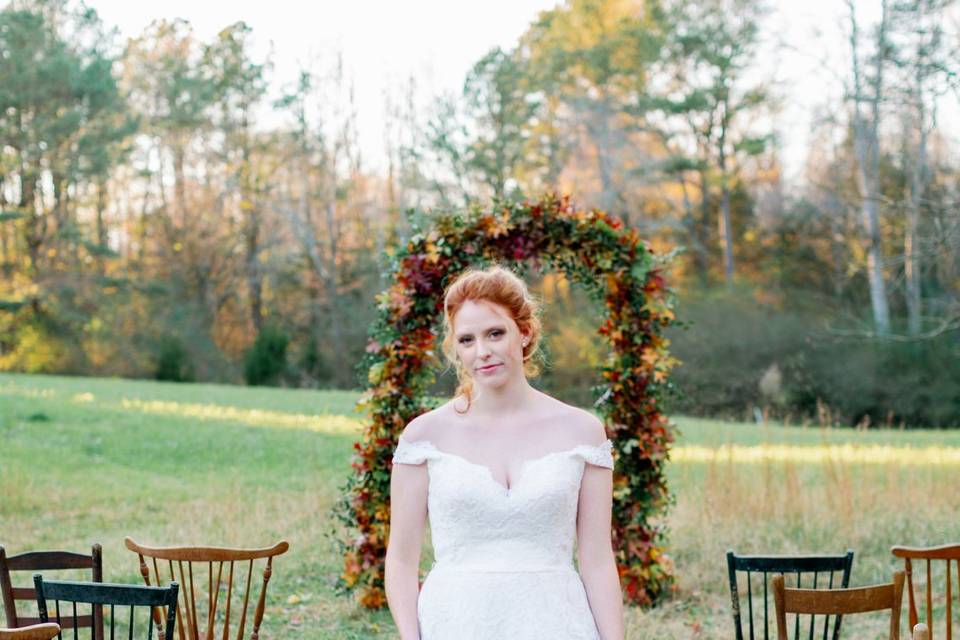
{"points": [[172, 362], [738, 354], [266, 360]]}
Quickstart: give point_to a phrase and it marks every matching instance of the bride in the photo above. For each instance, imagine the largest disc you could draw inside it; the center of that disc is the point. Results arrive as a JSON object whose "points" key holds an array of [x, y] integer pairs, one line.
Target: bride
{"points": [[509, 477]]}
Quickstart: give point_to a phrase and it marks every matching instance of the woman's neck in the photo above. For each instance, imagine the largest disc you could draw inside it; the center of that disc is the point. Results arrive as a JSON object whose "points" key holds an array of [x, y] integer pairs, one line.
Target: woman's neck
{"points": [[510, 399]]}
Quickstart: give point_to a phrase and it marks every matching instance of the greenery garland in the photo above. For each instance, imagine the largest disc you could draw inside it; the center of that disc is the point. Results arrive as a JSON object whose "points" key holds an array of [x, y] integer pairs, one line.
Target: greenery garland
{"points": [[591, 248]]}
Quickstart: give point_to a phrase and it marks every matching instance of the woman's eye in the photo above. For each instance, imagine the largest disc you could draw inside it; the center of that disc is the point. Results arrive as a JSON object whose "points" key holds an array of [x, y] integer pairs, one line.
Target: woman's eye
{"points": [[496, 333], [464, 340]]}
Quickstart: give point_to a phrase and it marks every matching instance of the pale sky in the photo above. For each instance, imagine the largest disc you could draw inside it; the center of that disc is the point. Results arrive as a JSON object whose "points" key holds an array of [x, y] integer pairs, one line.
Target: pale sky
{"points": [[384, 42]]}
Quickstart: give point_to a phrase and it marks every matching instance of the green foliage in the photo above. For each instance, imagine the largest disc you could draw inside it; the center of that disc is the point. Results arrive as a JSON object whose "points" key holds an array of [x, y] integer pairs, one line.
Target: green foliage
{"points": [[500, 105], [37, 349], [314, 363], [172, 361], [266, 360], [738, 354]]}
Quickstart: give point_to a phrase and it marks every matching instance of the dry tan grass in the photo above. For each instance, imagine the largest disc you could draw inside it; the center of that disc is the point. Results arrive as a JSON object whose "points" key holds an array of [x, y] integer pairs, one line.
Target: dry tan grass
{"points": [[182, 472]]}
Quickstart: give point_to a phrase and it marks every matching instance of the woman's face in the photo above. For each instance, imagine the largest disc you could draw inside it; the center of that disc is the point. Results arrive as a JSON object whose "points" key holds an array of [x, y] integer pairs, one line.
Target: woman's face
{"points": [[489, 343]]}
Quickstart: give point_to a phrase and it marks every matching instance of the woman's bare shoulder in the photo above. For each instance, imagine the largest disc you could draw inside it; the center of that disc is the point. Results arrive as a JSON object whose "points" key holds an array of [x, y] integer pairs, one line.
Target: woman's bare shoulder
{"points": [[426, 425], [582, 427]]}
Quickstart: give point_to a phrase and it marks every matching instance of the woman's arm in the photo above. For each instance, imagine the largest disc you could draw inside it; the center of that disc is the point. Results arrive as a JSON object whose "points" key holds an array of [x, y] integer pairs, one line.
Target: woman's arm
{"points": [[408, 515], [598, 569]]}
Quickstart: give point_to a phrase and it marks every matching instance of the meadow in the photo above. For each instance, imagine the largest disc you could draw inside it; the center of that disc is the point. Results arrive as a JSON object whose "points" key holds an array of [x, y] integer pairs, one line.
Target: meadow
{"points": [[94, 460]]}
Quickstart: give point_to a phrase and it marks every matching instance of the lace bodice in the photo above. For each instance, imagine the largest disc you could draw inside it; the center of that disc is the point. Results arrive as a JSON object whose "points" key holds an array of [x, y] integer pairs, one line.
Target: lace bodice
{"points": [[477, 524]]}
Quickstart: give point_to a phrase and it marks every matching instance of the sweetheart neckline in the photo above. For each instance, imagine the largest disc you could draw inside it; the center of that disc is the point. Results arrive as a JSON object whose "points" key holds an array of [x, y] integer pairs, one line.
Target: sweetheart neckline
{"points": [[523, 464]]}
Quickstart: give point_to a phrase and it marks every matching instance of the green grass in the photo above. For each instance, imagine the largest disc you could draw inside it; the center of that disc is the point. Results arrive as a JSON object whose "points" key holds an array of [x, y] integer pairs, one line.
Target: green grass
{"points": [[89, 460]]}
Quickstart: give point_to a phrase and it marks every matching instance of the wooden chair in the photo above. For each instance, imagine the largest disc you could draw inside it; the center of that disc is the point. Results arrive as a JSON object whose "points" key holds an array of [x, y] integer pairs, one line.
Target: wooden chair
{"points": [[44, 631], [224, 567], [812, 570], [99, 594], [947, 553], [836, 602], [44, 561]]}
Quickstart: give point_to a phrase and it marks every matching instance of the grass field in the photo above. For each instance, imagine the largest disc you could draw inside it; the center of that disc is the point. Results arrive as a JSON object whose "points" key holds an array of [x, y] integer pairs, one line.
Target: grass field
{"points": [[87, 460]]}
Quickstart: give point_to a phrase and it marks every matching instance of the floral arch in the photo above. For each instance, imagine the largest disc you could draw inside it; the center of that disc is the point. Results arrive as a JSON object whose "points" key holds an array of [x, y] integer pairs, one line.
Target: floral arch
{"points": [[616, 267]]}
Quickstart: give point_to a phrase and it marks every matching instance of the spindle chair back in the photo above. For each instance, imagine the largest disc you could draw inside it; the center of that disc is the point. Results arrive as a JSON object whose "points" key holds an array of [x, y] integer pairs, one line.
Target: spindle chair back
{"points": [[950, 555], [227, 569], [837, 602], [110, 598], [34, 561], [831, 571]]}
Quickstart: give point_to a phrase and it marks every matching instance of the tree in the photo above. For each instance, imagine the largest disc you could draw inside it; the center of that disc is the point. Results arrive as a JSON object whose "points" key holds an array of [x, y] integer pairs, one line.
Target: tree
{"points": [[240, 86], [63, 122], [707, 108], [594, 57], [500, 107], [324, 200], [925, 61]]}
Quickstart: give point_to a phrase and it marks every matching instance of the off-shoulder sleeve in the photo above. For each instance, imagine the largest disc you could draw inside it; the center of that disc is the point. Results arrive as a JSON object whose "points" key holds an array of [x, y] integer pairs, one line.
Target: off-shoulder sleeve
{"points": [[600, 455], [414, 452]]}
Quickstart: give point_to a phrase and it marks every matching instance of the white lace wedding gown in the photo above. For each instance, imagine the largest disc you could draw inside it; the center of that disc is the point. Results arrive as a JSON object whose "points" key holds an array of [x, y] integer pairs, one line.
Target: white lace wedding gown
{"points": [[504, 557]]}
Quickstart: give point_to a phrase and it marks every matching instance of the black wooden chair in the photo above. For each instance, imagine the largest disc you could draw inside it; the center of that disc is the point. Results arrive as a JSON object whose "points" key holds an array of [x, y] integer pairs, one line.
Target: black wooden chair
{"points": [[822, 569], [108, 596], [34, 561]]}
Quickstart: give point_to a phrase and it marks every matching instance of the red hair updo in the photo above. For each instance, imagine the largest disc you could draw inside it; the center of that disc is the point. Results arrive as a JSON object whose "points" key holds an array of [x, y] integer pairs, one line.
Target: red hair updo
{"points": [[500, 286]]}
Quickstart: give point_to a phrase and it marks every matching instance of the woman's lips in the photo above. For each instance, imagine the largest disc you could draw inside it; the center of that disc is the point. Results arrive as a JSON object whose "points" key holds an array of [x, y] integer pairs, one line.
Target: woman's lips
{"points": [[488, 368]]}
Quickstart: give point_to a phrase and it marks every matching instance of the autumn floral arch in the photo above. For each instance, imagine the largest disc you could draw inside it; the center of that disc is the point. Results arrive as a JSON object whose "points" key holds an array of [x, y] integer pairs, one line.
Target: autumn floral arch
{"points": [[592, 249]]}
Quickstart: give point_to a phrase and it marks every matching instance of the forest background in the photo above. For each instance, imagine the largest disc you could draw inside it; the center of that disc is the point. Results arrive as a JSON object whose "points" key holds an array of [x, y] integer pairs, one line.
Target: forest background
{"points": [[167, 212]]}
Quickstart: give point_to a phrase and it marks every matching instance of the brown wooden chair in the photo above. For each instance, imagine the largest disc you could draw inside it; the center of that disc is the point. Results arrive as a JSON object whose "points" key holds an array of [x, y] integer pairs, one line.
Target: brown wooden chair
{"points": [[34, 561], [44, 631], [948, 553], [834, 602], [227, 569]]}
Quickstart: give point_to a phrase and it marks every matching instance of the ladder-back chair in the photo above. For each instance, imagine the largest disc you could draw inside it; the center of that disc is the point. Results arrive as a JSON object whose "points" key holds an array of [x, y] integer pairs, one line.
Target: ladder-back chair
{"points": [[109, 598], [44, 561], [227, 569], [809, 570], [837, 602], [950, 554], [42, 631]]}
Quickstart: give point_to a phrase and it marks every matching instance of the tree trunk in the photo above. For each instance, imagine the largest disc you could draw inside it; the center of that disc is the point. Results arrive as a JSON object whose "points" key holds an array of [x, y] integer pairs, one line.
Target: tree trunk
{"points": [[180, 187], [702, 226], [866, 147], [6, 257], [101, 224], [35, 225], [910, 254], [254, 275], [251, 206], [330, 282], [599, 128], [912, 266], [693, 234], [726, 230]]}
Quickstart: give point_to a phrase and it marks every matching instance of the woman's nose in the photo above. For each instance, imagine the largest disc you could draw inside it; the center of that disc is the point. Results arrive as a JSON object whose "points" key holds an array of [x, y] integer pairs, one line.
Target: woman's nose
{"points": [[482, 348]]}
